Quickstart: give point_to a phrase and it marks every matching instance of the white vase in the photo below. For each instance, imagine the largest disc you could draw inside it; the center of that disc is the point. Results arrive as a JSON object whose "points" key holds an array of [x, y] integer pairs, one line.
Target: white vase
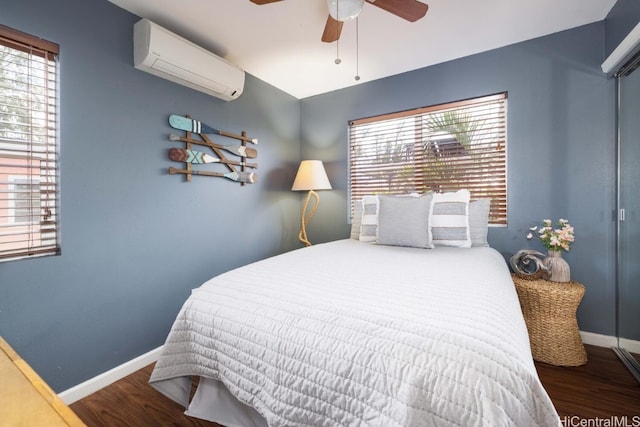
{"points": [[558, 267]]}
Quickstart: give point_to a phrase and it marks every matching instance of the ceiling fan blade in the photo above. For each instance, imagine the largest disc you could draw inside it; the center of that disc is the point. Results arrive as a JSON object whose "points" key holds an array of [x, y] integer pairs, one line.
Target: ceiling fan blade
{"points": [[332, 30], [264, 1], [411, 10]]}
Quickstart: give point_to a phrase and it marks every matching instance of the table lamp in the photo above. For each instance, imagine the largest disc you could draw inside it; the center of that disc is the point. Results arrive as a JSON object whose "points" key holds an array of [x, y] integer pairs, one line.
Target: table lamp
{"points": [[311, 176]]}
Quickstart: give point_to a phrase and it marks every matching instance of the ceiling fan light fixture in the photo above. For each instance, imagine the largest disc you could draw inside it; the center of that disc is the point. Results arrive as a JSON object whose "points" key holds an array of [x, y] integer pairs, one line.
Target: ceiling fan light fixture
{"points": [[344, 10]]}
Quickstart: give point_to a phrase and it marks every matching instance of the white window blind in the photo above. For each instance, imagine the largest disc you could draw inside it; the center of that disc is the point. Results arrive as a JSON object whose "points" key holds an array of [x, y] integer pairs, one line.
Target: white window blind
{"points": [[442, 148], [28, 146]]}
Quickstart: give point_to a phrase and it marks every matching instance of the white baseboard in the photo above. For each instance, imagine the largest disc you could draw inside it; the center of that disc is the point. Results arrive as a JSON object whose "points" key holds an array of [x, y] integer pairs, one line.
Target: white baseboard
{"points": [[608, 341], [94, 384], [598, 340], [631, 345]]}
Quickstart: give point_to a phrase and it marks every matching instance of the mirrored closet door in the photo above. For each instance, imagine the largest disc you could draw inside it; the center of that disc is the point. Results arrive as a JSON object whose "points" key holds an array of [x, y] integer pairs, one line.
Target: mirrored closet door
{"points": [[628, 85]]}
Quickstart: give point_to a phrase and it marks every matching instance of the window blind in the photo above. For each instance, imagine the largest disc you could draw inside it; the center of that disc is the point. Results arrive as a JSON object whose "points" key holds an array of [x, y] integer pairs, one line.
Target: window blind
{"points": [[28, 146], [441, 148]]}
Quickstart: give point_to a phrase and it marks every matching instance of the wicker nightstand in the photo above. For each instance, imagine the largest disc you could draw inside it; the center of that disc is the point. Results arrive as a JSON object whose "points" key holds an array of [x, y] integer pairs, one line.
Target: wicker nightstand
{"points": [[549, 310]]}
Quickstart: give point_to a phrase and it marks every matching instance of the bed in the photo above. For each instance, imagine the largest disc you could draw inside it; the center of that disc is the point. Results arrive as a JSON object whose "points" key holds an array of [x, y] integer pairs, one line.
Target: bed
{"points": [[351, 333]]}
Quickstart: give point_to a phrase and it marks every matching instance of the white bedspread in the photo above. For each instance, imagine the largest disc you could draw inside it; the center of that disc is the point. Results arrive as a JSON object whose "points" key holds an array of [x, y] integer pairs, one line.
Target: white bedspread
{"points": [[349, 333]]}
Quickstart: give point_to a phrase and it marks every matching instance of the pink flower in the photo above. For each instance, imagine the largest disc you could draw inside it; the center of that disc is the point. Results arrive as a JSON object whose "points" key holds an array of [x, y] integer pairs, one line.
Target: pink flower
{"points": [[558, 238]]}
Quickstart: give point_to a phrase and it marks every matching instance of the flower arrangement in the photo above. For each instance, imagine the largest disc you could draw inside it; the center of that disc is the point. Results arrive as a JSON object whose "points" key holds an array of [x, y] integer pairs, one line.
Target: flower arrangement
{"points": [[554, 239]]}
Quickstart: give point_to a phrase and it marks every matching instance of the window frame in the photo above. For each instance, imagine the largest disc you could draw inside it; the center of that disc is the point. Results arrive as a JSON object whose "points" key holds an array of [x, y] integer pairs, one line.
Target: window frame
{"points": [[404, 137], [29, 145]]}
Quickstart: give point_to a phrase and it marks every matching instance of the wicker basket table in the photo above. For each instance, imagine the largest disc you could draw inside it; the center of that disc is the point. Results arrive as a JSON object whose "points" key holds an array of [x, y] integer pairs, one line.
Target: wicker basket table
{"points": [[549, 310]]}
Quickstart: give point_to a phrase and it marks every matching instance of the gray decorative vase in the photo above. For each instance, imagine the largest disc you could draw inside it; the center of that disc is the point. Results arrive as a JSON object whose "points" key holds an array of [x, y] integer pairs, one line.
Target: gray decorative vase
{"points": [[559, 270]]}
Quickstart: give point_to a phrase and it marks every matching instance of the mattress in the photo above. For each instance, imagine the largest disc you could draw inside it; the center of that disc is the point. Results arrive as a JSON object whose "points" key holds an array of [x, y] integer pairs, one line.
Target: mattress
{"points": [[350, 333]]}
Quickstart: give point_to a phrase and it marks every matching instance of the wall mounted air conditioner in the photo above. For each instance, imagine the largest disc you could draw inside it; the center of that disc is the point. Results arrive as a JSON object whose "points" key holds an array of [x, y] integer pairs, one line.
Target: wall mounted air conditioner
{"points": [[158, 51]]}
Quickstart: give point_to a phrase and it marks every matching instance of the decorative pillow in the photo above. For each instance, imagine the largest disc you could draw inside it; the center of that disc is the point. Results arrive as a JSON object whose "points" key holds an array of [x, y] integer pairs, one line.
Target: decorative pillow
{"points": [[356, 220], [369, 224], [404, 221], [450, 219], [479, 222]]}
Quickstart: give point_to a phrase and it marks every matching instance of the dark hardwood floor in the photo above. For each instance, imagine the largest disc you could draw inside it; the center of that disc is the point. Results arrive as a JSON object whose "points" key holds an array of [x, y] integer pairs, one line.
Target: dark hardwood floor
{"points": [[132, 402], [602, 388]]}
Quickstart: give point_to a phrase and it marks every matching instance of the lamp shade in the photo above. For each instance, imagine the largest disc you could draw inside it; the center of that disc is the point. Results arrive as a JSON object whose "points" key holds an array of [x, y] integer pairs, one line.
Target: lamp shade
{"points": [[344, 10], [311, 176]]}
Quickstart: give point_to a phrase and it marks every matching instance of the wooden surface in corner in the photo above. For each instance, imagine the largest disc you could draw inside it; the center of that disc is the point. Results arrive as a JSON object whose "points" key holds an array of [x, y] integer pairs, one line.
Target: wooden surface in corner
{"points": [[25, 399]]}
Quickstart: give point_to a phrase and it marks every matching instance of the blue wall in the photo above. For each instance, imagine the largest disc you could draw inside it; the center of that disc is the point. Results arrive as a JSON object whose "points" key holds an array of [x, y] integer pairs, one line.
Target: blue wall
{"points": [[135, 240], [561, 148]]}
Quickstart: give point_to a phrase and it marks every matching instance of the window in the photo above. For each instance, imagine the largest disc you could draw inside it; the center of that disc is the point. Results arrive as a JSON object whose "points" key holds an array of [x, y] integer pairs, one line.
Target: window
{"points": [[25, 200], [28, 146], [441, 148]]}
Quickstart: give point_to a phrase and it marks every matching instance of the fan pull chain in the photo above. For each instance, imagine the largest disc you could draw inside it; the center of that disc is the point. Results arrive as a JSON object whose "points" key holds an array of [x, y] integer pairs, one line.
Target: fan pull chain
{"points": [[337, 61], [357, 77]]}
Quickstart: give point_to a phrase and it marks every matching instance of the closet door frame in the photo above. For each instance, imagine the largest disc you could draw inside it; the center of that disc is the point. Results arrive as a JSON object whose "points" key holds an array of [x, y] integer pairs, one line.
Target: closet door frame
{"points": [[623, 353]]}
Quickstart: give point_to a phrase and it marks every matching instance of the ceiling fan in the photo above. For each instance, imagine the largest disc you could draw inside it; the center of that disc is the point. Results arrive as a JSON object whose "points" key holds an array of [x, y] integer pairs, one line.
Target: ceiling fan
{"points": [[345, 10]]}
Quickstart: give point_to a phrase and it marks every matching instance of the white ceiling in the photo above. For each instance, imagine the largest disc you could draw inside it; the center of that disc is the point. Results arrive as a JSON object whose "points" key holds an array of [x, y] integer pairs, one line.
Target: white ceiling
{"points": [[280, 42]]}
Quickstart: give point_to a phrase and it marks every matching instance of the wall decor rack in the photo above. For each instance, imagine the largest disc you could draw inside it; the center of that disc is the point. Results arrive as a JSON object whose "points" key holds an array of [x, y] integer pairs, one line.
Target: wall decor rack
{"points": [[238, 169]]}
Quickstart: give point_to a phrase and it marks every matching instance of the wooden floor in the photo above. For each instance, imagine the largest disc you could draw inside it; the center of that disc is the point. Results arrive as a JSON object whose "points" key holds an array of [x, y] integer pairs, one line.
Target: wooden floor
{"points": [[602, 388], [132, 402]]}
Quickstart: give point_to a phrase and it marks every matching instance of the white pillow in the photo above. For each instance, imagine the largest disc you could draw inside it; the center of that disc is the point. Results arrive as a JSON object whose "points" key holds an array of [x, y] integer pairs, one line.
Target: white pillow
{"points": [[450, 219], [369, 223]]}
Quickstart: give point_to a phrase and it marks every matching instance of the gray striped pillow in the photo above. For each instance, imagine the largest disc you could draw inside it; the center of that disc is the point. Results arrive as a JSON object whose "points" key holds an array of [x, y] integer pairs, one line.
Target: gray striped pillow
{"points": [[450, 219]]}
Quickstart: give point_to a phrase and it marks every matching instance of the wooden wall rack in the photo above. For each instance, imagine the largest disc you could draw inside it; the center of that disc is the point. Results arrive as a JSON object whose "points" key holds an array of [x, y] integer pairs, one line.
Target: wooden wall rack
{"points": [[196, 133]]}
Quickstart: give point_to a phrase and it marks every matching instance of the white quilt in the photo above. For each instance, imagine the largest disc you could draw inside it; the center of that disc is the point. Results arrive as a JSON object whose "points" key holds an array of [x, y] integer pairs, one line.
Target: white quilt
{"points": [[354, 334]]}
